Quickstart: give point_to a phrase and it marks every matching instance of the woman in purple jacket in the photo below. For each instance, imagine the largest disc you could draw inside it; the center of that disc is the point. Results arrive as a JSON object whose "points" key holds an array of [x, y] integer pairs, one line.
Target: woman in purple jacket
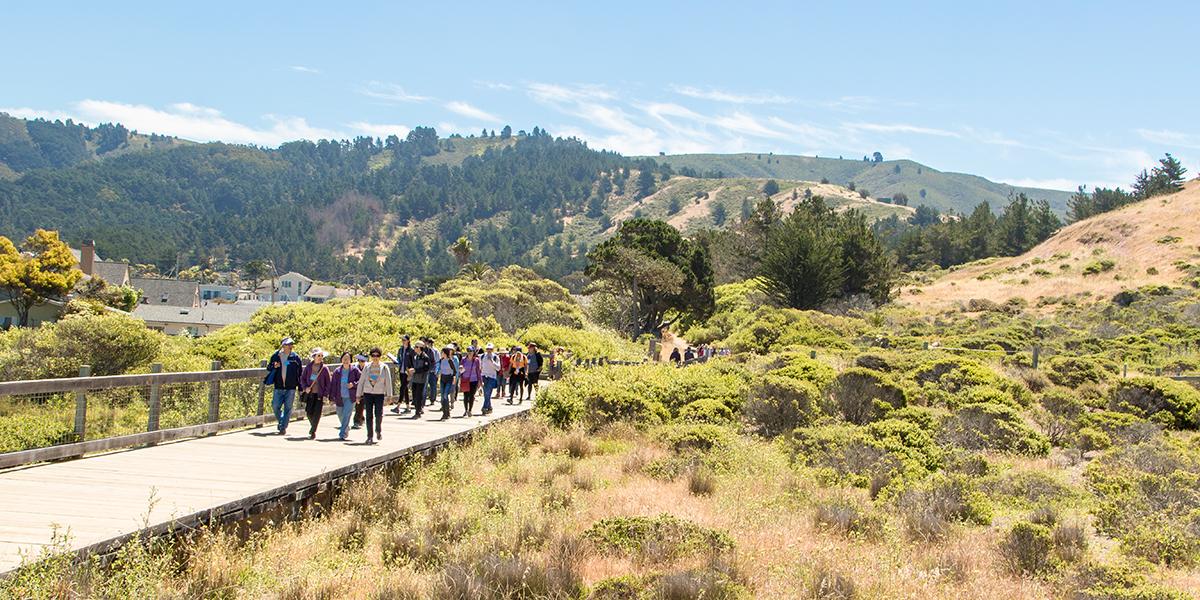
{"points": [[314, 380], [469, 378], [343, 388]]}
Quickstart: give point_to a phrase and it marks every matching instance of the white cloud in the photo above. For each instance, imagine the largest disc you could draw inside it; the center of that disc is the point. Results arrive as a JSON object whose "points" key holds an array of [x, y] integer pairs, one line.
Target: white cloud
{"points": [[900, 128], [471, 112], [389, 92], [304, 69], [551, 92], [1170, 138], [201, 123], [35, 113], [379, 130], [747, 124], [1049, 184], [494, 85], [717, 95]]}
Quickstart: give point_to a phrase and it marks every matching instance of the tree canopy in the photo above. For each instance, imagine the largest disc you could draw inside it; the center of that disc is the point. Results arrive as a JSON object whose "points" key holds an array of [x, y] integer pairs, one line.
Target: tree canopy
{"points": [[43, 268]]}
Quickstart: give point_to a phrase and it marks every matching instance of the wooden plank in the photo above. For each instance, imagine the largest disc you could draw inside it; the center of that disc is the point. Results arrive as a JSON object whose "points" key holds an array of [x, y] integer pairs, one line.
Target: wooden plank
{"points": [[108, 382], [105, 499]]}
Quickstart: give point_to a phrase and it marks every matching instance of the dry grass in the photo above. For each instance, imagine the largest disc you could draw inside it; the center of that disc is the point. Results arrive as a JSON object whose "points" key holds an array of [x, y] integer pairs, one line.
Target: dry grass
{"points": [[513, 528]]}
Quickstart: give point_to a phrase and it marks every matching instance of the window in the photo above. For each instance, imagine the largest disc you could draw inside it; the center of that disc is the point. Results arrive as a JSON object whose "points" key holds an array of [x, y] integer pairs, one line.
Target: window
{"points": [[287, 284]]}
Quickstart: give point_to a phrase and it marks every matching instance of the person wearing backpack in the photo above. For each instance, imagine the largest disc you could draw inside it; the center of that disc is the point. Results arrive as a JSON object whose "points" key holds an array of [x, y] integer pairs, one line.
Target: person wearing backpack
{"points": [[447, 372], [283, 372], [534, 363], [418, 373], [516, 377], [403, 364]]}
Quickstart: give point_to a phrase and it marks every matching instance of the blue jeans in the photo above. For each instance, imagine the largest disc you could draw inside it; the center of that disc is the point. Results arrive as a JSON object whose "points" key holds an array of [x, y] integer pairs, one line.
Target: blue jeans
{"points": [[431, 388], [344, 412], [447, 393], [489, 386], [281, 407]]}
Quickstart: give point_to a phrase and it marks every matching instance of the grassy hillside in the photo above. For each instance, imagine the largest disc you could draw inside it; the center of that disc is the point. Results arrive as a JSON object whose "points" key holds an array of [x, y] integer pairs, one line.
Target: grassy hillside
{"points": [[26, 144], [1149, 243], [942, 190]]}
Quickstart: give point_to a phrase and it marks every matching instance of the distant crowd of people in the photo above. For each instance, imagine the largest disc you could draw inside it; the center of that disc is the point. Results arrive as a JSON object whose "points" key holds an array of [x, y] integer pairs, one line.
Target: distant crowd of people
{"points": [[360, 385], [697, 353]]}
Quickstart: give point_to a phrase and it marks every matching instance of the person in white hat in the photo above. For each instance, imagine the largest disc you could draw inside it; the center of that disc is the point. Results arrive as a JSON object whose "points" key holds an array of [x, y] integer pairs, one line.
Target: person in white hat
{"points": [[489, 367], [283, 372], [315, 381]]}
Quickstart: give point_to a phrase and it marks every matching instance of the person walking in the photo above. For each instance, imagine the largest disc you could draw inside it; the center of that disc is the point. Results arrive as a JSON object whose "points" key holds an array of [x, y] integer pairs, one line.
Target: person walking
{"points": [[418, 373], [432, 390], [283, 372], [471, 371], [447, 370], [344, 383], [675, 356], [534, 362], [361, 359], [489, 370], [554, 363], [403, 364], [375, 388], [315, 381], [505, 373], [516, 376]]}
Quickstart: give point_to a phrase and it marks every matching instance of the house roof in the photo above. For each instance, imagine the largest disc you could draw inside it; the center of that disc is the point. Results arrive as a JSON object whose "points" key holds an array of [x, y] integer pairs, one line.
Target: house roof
{"points": [[293, 275], [167, 292], [210, 314], [115, 273], [320, 291]]}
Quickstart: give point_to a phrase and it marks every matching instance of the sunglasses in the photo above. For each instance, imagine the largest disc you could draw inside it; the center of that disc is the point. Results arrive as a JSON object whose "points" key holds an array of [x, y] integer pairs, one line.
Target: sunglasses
{"points": [[375, 355]]}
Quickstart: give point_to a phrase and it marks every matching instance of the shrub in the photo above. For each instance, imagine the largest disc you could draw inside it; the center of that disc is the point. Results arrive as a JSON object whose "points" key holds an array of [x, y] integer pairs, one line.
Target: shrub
{"points": [[665, 537], [1027, 487], [856, 455], [847, 516], [1071, 372], [803, 368], [1070, 541], [1124, 581], [958, 375], [861, 395], [993, 426], [930, 505], [1027, 549], [702, 437], [707, 410], [779, 404], [827, 583], [874, 362], [1099, 266], [702, 482], [1058, 414], [1147, 397]]}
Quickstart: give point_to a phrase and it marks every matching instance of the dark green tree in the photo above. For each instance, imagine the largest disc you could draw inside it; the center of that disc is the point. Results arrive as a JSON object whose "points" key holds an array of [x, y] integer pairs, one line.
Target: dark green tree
{"points": [[770, 188]]}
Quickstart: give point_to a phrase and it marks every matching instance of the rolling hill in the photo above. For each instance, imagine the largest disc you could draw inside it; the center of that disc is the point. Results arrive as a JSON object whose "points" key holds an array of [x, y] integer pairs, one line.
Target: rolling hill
{"points": [[33, 144], [1152, 242], [944, 191]]}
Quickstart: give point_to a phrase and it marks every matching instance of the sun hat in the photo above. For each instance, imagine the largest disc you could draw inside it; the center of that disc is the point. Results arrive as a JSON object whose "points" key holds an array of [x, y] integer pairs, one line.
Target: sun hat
{"points": [[318, 350], [360, 357], [287, 341], [489, 346]]}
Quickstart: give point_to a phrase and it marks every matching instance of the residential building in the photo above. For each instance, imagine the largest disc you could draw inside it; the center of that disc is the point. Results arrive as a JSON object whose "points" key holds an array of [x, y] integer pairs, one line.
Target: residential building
{"points": [[194, 321], [113, 272], [214, 291], [167, 292], [289, 287]]}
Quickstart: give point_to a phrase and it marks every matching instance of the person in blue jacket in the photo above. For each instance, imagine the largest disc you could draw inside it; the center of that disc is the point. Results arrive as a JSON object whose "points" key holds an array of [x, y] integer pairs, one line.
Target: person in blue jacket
{"points": [[283, 371]]}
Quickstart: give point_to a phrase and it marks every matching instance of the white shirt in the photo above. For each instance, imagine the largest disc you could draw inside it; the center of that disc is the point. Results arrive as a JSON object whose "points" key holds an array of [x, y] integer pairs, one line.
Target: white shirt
{"points": [[489, 365]]}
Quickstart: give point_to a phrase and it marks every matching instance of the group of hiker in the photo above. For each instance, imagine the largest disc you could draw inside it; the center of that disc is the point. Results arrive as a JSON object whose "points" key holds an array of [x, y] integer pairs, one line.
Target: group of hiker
{"points": [[690, 354], [360, 385]]}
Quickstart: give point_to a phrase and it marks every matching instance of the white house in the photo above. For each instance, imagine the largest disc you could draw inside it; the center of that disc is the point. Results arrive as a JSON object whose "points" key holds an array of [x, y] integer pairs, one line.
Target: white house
{"points": [[289, 287]]}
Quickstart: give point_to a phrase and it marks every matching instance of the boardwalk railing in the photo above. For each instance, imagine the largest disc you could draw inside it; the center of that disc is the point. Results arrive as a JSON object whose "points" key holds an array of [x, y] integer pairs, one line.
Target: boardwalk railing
{"points": [[50, 419]]}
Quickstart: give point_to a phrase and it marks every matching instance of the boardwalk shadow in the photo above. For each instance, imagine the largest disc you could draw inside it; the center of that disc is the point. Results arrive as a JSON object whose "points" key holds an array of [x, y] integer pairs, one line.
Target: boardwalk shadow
{"points": [[297, 438], [264, 433]]}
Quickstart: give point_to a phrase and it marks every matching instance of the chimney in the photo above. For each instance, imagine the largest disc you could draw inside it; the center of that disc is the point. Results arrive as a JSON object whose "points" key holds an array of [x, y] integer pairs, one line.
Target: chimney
{"points": [[87, 257]]}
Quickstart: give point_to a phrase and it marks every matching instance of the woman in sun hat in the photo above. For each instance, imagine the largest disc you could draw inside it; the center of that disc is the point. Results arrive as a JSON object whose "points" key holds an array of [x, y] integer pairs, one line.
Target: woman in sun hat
{"points": [[315, 381]]}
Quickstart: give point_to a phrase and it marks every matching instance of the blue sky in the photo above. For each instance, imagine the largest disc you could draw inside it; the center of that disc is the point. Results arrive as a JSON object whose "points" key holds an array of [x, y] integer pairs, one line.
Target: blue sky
{"points": [[1044, 93]]}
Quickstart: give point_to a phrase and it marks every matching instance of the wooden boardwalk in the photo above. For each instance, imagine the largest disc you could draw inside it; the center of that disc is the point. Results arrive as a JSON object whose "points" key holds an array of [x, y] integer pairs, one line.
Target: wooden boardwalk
{"points": [[101, 499]]}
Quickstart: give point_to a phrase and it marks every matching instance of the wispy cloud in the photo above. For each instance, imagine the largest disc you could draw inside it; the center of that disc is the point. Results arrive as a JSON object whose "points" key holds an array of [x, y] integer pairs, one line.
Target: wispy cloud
{"points": [[494, 85], [717, 95], [551, 92], [389, 92], [1049, 184], [304, 69], [379, 130], [1167, 137], [902, 128], [471, 112], [36, 113]]}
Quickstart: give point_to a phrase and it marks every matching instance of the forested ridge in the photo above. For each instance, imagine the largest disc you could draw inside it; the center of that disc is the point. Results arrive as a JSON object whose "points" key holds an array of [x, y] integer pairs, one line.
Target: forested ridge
{"points": [[305, 204]]}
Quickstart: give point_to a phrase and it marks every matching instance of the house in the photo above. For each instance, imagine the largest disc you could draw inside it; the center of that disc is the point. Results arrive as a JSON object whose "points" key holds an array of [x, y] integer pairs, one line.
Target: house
{"points": [[289, 287], [113, 272], [196, 320], [214, 291], [167, 292], [46, 311], [320, 293]]}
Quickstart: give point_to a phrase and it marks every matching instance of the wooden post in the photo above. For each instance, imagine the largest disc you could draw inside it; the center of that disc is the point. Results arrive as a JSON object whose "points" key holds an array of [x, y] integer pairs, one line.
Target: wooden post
{"points": [[81, 406], [655, 355], [924, 345], [1037, 355], [155, 399], [214, 396], [1157, 371], [1125, 370], [812, 354], [262, 395]]}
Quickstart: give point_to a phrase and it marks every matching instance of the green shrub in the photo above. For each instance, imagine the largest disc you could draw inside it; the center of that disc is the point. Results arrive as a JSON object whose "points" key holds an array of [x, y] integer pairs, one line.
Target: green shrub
{"points": [[702, 437], [36, 429], [874, 362], [1070, 371], [1027, 549], [993, 426], [1148, 397], [1122, 581], [111, 344], [666, 537], [862, 395], [930, 505], [1099, 266], [1027, 487], [857, 455], [707, 410], [957, 376], [803, 368], [778, 404]]}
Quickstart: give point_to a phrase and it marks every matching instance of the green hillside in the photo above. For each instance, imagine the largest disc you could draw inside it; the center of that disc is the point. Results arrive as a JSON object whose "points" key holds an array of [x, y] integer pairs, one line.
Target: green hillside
{"points": [[923, 185], [38, 143]]}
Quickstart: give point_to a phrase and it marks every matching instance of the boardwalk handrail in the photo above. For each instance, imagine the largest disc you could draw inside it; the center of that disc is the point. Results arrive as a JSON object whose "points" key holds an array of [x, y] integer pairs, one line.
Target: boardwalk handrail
{"points": [[107, 382]]}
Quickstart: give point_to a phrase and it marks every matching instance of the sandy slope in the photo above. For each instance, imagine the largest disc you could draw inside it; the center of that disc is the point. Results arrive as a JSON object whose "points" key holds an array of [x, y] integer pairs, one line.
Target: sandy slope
{"points": [[1151, 235]]}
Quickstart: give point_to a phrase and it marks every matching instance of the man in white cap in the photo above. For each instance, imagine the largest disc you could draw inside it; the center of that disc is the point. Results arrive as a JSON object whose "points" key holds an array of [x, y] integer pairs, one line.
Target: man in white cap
{"points": [[283, 371], [489, 368]]}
